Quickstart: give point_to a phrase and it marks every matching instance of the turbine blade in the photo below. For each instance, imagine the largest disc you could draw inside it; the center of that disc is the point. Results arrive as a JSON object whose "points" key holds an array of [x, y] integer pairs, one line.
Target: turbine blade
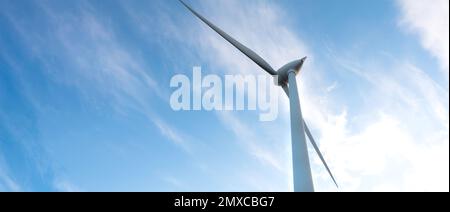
{"points": [[248, 52], [313, 142]]}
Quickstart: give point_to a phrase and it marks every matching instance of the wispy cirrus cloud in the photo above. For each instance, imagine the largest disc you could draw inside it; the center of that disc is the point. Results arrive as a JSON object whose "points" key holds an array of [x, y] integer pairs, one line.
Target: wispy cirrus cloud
{"points": [[252, 141], [402, 124], [389, 134], [173, 135], [177, 184], [365, 148], [430, 21], [7, 183], [66, 186], [80, 49]]}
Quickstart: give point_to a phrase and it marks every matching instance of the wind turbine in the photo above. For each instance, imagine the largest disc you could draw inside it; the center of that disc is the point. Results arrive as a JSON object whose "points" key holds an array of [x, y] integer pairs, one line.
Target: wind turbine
{"points": [[287, 80]]}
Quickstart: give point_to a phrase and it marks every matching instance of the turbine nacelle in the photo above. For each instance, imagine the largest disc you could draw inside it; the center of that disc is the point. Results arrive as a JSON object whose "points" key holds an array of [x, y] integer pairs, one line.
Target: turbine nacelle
{"points": [[283, 72]]}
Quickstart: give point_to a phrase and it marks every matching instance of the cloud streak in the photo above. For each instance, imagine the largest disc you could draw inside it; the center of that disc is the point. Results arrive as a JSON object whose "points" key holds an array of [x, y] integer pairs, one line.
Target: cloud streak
{"points": [[365, 148], [6, 181], [430, 21], [388, 131], [173, 135], [402, 126], [80, 49], [66, 186]]}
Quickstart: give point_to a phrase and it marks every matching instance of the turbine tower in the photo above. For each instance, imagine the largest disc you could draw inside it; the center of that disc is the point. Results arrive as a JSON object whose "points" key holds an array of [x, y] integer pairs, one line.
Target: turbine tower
{"points": [[299, 130]]}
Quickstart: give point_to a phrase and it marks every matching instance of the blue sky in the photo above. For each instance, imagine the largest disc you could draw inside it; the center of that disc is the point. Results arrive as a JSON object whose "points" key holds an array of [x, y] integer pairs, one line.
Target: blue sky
{"points": [[85, 88]]}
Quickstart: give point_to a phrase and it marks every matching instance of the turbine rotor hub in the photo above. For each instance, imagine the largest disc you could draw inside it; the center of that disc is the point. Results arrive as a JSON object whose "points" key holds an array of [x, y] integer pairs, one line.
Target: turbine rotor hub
{"points": [[283, 73]]}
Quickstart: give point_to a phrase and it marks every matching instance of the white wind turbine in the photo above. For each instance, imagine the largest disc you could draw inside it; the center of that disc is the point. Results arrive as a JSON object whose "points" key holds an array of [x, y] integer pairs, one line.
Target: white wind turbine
{"points": [[299, 130]]}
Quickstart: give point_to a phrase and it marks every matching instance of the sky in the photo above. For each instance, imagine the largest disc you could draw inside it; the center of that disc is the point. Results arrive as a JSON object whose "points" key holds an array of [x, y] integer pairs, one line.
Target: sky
{"points": [[85, 90]]}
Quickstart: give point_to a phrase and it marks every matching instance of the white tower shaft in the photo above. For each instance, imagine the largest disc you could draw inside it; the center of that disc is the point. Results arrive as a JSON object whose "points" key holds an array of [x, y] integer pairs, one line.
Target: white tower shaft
{"points": [[300, 159]]}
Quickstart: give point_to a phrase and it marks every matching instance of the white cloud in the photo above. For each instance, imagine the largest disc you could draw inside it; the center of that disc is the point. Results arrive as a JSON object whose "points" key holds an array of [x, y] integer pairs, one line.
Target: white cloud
{"points": [[176, 183], [401, 121], [385, 152], [254, 143], [430, 20], [172, 134], [105, 66], [65, 186], [80, 49], [332, 87], [267, 147], [6, 182], [401, 124], [399, 139]]}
